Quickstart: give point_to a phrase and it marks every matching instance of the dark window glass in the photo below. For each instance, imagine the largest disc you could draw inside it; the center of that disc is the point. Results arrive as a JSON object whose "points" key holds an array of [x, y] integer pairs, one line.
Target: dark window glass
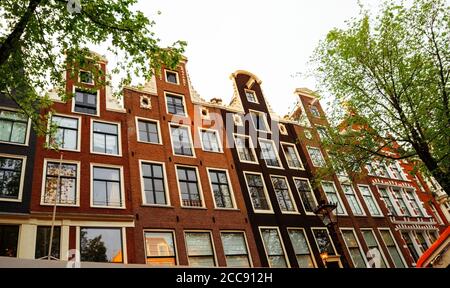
{"points": [[66, 193], [370, 201], [13, 127], [315, 111], [66, 136], [43, 239], [105, 138], [387, 201], [323, 241], [9, 237], [175, 105], [86, 77], [160, 249], [251, 96], [256, 191], [221, 189], [269, 154], [171, 77], [154, 187], [281, 188], [10, 174], [292, 157], [410, 244], [148, 131], [190, 193], [392, 248], [85, 102], [107, 187], [306, 194], [101, 245]]}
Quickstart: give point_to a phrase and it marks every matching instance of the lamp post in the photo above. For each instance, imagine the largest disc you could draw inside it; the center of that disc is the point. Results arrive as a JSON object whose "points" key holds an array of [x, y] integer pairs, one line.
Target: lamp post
{"points": [[329, 219]]}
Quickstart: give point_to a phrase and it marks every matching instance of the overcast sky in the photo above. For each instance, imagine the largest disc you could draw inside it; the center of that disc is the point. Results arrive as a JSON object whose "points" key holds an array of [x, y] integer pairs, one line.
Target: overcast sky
{"points": [[271, 38]]}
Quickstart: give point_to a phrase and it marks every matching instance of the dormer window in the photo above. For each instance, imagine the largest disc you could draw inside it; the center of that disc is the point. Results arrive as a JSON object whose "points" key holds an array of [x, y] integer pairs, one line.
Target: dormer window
{"points": [[86, 77], [172, 77], [251, 96]]}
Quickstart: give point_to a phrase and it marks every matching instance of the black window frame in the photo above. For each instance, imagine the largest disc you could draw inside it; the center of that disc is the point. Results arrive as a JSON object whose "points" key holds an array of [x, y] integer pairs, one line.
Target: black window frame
{"points": [[175, 107], [85, 107], [188, 202], [153, 178], [15, 171], [217, 186], [147, 131], [94, 179]]}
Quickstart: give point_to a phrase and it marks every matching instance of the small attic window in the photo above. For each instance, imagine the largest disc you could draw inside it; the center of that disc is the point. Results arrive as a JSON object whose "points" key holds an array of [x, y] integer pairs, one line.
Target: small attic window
{"points": [[251, 96], [86, 77], [308, 134], [283, 129], [237, 120], [146, 102], [172, 77], [205, 113]]}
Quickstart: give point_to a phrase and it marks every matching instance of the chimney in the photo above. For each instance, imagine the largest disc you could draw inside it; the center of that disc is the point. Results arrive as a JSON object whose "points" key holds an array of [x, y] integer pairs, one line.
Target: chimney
{"points": [[217, 101]]}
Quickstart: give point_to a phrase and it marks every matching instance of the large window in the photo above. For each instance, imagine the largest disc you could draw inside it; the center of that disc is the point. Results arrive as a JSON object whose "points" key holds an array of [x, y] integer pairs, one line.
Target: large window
{"points": [[107, 187], [306, 194], [85, 102], [374, 249], [410, 244], [221, 189], [269, 153], [43, 240], [384, 193], [369, 200], [352, 199], [301, 248], [401, 205], [392, 247], [274, 249], [323, 241], [413, 202], [283, 194], [148, 131], [189, 187], [13, 127], [199, 249], [101, 245], [244, 149], [332, 196], [175, 105], [66, 192], [11, 170], [316, 157], [154, 184], [353, 248], [66, 136], [160, 248], [292, 157], [105, 138], [422, 241], [235, 248], [259, 121], [181, 140], [258, 193], [210, 140], [9, 238]]}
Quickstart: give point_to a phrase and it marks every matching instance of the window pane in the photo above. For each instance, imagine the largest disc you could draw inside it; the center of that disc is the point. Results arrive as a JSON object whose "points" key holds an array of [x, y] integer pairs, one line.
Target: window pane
{"points": [[235, 249], [19, 132], [99, 143], [393, 251], [106, 174], [5, 130], [101, 245], [273, 247], [256, 190], [10, 174], [43, 239], [323, 241], [301, 248], [306, 195], [160, 248], [353, 247], [9, 237]]}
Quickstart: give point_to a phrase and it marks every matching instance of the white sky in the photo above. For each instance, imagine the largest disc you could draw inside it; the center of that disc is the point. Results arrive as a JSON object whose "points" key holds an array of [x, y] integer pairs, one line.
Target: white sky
{"points": [[272, 39]]}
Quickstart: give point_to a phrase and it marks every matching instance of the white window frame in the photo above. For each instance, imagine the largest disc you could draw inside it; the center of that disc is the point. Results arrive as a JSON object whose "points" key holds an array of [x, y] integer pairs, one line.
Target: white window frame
{"points": [[329, 237], [233, 200], [419, 202], [27, 135], [218, 138], [271, 176], [119, 137], [22, 176], [190, 139], [266, 122], [78, 118], [251, 148], [158, 126], [412, 235], [311, 253], [166, 184], [104, 226], [374, 200], [275, 150], [359, 245], [357, 200], [302, 168], [246, 245], [380, 248], [44, 176], [286, 258], [86, 83], [82, 113], [338, 196], [122, 185], [254, 94], [161, 231], [172, 71], [167, 106], [199, 184], [320, 151], [395, 202], [266, 193], [396, 245], [211, 238], [391, 198], [314, 195]]}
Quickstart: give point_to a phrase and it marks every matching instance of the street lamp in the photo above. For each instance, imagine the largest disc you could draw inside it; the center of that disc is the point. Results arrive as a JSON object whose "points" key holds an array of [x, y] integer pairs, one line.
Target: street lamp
{"points": [[329, 219]]}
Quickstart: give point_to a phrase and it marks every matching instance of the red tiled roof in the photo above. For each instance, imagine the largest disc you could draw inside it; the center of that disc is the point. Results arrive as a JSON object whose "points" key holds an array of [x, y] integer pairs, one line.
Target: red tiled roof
{"points": [[427, 254]]}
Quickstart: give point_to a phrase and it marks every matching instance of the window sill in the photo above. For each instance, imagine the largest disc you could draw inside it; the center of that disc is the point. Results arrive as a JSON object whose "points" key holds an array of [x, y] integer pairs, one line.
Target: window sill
{"points": [[108, 207], [13, 143], [87, 114], [106, 154], [263, 212], [227, 209], [195, 208], [60, 205], [157, 206], [152, 143], [10, 200]]}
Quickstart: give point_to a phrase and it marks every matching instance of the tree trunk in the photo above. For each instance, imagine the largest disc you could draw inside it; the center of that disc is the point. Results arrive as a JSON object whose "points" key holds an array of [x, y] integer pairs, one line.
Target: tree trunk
{"points": [[443, 178], [12, 42]]}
